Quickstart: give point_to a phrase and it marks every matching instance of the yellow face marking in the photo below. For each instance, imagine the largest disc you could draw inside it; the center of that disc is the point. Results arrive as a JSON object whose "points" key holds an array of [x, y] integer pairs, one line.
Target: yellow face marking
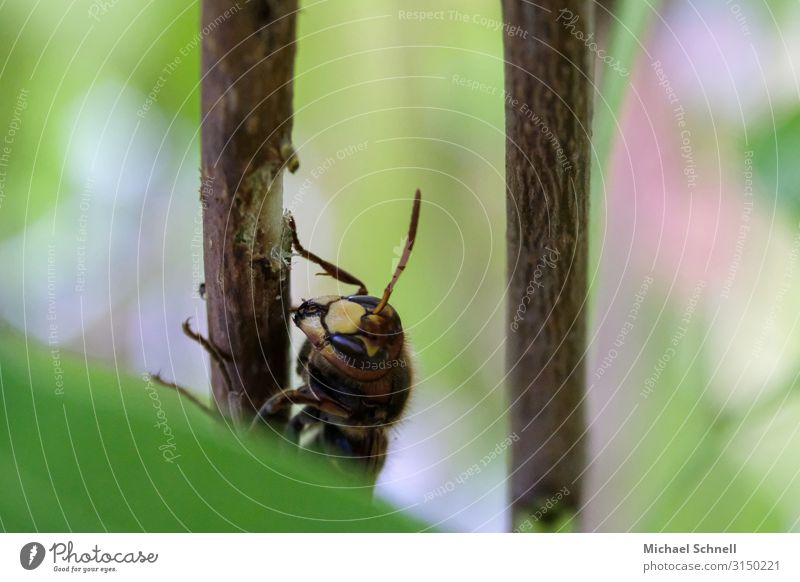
{"points": [[372, 347], [344, 316], [388, 312], [375, 321]]}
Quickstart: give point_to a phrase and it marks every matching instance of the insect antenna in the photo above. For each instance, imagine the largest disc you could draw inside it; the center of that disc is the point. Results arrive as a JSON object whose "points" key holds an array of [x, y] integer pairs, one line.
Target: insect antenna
{"points": [[412, 235]]}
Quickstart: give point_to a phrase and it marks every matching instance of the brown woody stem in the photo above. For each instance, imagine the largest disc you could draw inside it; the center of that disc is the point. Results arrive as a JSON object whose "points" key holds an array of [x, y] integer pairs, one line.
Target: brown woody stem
{"points": [[548, 121], [248, 66]]}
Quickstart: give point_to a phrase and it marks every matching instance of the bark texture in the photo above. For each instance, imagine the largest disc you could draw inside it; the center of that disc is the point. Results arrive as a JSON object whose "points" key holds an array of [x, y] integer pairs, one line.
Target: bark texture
{"points": [[548, 120], [248, 53]]}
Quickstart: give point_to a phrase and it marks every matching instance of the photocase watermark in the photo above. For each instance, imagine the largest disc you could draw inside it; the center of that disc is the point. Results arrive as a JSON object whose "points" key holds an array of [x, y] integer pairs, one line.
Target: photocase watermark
{"points": [[736, 10], [511, 30], [780, 297], [169, 69], [196, 244], [476, 18], [546, 261], [14, 126], [561, 156], [323, 168], [168, 449], [627, 327], [522, 109], [543, 512], [744, 226], [53, 342], [479, 86], [31, 555], [677, 338], [570, 21], [364, 365], [421, 15], [472, 470], [678, 112], [68, 559], [81, 237], [99, 8]]}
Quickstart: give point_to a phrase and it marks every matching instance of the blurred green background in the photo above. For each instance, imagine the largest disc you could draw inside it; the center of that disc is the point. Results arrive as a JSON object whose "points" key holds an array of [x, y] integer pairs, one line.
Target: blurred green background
{"points": [[693, 361]]}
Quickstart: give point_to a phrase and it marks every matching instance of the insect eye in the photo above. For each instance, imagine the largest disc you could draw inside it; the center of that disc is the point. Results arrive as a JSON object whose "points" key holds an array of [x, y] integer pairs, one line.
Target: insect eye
{"points": [[348, 345], [310, 308]]}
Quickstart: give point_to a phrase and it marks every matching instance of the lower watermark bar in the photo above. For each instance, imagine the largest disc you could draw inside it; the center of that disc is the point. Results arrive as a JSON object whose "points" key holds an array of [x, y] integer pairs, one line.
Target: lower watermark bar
{"points": [[335, 557]]}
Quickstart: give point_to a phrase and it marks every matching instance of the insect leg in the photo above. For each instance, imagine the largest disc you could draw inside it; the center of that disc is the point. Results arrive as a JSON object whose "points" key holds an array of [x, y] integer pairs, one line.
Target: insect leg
{"points": [[302, 420], [301, 396], [183, 392], [329, 268], [214, 352]]}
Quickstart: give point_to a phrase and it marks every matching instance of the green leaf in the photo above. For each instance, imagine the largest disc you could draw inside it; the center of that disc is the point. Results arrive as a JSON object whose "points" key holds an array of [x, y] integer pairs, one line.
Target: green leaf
{"points": [[104, 451]]}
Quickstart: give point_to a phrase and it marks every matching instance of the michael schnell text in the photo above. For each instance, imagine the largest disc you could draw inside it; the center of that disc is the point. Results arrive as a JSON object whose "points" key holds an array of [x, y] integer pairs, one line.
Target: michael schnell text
{"points": [[689, 549]]}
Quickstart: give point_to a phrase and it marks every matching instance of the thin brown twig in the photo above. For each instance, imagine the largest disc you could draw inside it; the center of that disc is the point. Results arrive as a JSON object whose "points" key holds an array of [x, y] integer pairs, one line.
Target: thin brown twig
{"points": [[247, 69]]}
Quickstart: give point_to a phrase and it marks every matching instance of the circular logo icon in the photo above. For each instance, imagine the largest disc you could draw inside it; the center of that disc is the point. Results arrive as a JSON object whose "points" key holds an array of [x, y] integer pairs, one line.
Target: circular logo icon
{"points": [[31, 555]]}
